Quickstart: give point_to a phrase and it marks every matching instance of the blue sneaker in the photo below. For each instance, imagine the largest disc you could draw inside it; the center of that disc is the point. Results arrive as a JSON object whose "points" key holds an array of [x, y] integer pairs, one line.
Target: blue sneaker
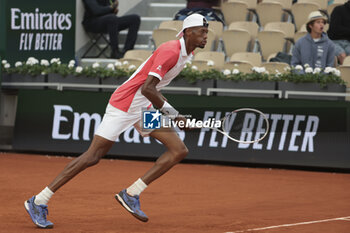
{"points": [[38, 213], [131, 204]]}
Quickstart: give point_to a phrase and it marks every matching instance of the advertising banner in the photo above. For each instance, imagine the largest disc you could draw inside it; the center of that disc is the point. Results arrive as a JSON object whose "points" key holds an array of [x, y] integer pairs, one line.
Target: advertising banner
{"points": [[37, 28], [302, 132]]}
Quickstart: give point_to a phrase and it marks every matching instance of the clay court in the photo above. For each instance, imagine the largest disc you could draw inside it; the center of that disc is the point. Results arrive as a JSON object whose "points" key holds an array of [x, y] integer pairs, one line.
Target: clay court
{"points": [[190, 198]]}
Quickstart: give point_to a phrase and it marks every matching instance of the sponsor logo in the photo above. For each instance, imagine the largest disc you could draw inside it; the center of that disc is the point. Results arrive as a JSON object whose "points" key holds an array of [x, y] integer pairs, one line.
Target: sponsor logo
{"points": [[288, 132], [50, 28]]}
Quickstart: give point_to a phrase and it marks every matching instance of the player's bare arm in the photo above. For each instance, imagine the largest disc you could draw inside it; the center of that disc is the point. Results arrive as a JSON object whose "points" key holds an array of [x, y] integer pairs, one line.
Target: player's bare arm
{"points": [[150, 91]]}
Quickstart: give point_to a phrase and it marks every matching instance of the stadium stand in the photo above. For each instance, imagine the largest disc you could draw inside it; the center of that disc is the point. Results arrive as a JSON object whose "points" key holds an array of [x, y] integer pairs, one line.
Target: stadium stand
{"points": [[345, 74], [138, 54], [174, 24], [218, 28], [346, 61], [136, 57], [302, 32], [271, 42], [251, 27], [201, 65], [161, 35], [242, 67], [250, 3], [321, 3], [286, 4], [241, 40], [301, 11], [286, 27], [253, 59], [269, 12], [203, 57], [234, 11], [276, 67]]}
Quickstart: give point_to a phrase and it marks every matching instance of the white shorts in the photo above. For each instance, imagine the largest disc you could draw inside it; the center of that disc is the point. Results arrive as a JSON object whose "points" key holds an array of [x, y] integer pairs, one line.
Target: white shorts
{"points": [[116, 121]]}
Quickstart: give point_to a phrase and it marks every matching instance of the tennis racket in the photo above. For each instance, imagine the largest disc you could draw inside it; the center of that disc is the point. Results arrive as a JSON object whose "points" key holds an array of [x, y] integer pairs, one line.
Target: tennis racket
{"points": [[244, 125]]}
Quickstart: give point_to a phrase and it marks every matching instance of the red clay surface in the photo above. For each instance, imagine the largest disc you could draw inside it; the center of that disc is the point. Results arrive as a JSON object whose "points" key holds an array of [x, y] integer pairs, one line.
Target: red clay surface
{"points": [[190, 198]]}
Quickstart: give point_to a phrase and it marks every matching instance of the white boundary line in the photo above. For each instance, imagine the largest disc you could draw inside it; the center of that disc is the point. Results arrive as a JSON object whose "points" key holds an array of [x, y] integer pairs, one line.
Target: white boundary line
{"points": [[293, 224]]}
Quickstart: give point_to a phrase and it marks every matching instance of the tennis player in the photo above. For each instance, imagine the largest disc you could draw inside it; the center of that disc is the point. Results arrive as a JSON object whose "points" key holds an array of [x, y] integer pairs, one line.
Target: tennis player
{"points": [[124, 110]]}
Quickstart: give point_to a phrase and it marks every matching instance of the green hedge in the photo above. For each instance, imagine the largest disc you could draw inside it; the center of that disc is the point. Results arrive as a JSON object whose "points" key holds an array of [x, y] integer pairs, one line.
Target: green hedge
{"points": [[190, 73]]}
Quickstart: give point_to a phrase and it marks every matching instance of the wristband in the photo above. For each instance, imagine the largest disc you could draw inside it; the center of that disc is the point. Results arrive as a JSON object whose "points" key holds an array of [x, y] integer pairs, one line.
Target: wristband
{"points": [[169, 110]]}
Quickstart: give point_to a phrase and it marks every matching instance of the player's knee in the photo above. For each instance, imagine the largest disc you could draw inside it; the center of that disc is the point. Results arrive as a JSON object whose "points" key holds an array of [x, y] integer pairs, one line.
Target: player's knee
{"points": [[94, 161], [90, 160], [181, 153]]}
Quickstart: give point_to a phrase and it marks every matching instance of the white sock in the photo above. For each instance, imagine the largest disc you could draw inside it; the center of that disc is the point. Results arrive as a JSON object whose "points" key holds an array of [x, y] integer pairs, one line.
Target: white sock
{"points": [[43, 197], [136, 188]]}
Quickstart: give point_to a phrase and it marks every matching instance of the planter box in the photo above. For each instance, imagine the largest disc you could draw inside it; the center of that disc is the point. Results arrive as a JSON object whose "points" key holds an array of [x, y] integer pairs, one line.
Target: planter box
{"points": [[112, 81], [23, 78], [255, 85], [71, 79], [312, 87], [203, 84]]}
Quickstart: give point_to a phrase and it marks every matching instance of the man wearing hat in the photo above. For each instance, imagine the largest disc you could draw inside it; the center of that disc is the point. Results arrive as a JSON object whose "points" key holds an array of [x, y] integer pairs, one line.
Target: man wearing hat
{"points": [[339, 30], [315, 48], [125, 108]]}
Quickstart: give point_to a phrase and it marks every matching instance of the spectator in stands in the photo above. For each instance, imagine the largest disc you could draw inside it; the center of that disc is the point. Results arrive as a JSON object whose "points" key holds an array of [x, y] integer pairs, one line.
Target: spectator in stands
{"points": [[203, 7], [101, 17], [315, 48], [339, 30]]}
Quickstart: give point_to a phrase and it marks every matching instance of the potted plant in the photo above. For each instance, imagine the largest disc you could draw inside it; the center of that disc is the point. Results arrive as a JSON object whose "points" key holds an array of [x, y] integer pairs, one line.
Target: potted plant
{"points": [[69, 74], [32, 71], [259, 79], [190, 76], [313, 80]]}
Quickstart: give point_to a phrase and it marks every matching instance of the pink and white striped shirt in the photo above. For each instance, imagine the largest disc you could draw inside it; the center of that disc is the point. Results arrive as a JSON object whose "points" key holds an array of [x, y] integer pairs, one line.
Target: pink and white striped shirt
{"points": [[165, 64]]}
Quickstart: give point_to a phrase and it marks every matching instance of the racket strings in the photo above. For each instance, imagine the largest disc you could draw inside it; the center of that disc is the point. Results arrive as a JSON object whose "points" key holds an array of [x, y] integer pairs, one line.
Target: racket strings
{"points": [[245, 125]]}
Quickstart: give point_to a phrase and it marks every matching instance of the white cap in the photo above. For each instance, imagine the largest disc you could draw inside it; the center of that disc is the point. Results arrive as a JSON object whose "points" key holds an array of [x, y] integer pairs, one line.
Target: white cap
{"points": [[194, 20], [316, 15]]}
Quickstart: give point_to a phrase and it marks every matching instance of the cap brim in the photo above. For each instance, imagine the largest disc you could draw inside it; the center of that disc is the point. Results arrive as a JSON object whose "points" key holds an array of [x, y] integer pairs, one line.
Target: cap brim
{"points": [[316, 18], [180, 34]]}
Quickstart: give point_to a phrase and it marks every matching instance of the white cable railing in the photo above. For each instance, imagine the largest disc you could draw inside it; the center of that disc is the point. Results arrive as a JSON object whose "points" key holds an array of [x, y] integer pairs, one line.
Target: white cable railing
{"points": [[197, 90], [61, 86], [315, 93], [247, 91]]}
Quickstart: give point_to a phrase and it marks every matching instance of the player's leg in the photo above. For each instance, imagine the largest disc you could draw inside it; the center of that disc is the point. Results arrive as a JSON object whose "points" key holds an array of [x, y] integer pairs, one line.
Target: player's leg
{"points": [[176, 151], [37, 205], [98, 148], [113, 124]]}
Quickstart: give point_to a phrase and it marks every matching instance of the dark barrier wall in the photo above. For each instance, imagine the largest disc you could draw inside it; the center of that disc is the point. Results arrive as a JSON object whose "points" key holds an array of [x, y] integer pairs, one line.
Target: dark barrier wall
{"points": [[303, 133], [37, 28]]}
